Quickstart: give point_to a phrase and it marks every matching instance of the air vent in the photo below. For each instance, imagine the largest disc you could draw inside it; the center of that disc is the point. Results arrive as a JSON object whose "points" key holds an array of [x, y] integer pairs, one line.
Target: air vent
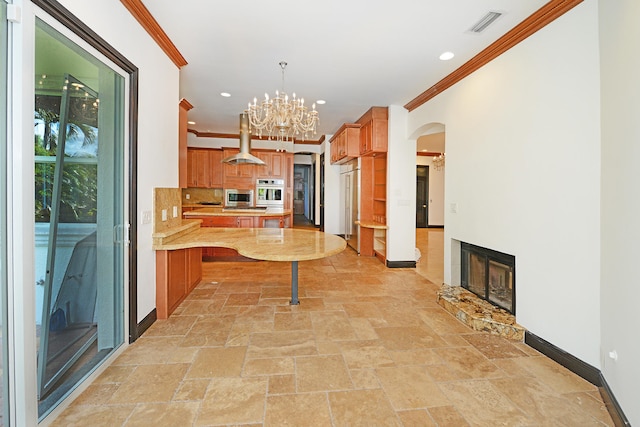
{"points": [[484, 22]]}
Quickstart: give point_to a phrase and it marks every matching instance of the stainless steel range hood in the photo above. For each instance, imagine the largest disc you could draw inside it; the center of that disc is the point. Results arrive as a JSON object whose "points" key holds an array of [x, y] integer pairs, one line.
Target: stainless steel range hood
{"points": [[244, 156]]}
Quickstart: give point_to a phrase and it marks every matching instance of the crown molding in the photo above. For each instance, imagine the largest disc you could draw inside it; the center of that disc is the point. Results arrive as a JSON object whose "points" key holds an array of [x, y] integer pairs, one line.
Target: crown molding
{"points": [[253, 137], [543, 16], [151, 26]]}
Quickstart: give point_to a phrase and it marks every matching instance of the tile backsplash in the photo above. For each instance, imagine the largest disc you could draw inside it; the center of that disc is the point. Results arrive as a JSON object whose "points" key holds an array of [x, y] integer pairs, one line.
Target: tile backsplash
{"points": [[197, 195]]}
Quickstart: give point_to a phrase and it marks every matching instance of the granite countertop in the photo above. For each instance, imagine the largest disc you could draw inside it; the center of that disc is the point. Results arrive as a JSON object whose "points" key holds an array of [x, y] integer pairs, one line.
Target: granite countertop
{"points": [[267, 244], [220, 211]]}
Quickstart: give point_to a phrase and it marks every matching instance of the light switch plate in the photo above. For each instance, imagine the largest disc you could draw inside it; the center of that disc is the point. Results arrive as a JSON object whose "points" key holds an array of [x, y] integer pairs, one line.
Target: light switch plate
{"points": [[164, 214], [175, 212], [146, 217]]}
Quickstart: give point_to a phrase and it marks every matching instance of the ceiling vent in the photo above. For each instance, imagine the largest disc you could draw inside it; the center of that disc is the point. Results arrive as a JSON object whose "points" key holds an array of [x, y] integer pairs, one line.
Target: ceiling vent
{"points": [[484, 22]]}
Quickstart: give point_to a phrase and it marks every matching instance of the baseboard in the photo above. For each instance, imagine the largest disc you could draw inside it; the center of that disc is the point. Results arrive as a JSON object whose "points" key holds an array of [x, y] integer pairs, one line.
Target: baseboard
{"points": [[401, 264], [582, 369], [618, 417], [567, 360], [147, 322]]}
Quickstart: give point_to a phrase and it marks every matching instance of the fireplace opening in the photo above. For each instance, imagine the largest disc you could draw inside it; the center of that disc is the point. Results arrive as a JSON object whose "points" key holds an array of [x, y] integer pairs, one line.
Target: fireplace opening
{"points": [[489, 274]]}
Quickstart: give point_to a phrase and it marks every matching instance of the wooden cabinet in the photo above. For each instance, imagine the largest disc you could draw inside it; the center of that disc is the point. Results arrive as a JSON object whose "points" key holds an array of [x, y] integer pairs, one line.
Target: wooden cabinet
{"points": [[216, 168], [177, 273], [238, 176], [227, 221], [204, 168], [274, 167], [245, 221], [374, 131], [344, 145]]}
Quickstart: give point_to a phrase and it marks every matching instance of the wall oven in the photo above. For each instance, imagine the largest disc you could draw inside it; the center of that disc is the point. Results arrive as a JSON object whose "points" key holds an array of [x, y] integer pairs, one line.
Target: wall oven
{"points": [[270, 193], [238, 198]]}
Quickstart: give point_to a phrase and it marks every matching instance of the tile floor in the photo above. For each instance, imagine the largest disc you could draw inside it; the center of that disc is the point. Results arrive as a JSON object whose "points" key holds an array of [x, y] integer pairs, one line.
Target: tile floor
{"points": [[367, 346]]}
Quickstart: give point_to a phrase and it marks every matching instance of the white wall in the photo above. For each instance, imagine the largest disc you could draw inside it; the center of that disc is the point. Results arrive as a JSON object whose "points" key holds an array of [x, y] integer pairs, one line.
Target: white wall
{"points": [[620, 231], [158, 97], [435, 206], [523, 160], [332, 198], [401, 189]]}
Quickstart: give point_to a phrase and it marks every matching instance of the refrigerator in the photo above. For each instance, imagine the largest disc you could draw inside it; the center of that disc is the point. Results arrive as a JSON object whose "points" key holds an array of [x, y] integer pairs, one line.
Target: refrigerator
{"points": [[351, 194]]}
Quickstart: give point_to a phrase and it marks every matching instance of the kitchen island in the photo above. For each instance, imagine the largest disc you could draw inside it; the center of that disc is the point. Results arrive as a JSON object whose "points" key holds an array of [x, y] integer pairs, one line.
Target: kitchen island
{"points": [[264, 244]]}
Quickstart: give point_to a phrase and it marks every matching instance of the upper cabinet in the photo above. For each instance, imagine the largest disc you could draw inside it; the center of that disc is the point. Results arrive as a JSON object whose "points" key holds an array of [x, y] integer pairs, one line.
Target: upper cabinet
{"points": [[274, 165], [344, 144], [216, 171], [374, 131], [204, 168]]}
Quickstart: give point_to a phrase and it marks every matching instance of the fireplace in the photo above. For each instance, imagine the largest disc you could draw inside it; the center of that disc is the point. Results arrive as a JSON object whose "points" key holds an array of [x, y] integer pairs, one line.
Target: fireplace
{"points": [[489, 274]]}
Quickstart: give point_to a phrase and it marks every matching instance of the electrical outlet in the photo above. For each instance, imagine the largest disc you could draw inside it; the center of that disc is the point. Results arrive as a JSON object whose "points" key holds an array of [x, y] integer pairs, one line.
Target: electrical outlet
{"points": [[187, 196], [146, 217], [175, 212], [164, 214], [454, 208]]}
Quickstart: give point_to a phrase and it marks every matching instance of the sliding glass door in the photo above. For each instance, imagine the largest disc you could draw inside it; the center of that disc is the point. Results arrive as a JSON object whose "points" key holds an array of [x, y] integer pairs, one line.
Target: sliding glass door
{"points": [[4, 380], [80, 213]]}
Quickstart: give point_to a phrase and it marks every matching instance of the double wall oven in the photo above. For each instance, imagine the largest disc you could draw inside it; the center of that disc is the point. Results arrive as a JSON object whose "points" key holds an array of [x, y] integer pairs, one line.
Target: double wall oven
{"points": [[270, 193]]}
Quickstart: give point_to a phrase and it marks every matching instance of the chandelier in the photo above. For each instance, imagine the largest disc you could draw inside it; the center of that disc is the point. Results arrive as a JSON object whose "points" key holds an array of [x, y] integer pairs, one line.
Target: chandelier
{"points": [[282, 118], [438, 161]]}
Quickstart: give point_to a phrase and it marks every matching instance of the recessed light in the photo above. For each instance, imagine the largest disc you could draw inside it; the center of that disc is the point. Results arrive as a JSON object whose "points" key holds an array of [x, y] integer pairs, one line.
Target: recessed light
{"points": [[191, 123], [446, 56], [321, 102], [225, 94]]}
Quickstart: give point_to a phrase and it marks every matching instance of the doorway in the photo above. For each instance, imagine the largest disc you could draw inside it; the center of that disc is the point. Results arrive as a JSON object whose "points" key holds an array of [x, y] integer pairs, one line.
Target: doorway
{"points": [[422, 196], [303, 209]]}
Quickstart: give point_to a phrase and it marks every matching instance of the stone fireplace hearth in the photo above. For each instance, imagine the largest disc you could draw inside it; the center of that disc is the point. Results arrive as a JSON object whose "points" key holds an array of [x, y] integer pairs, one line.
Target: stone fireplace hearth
{"points": [[479, 314]]}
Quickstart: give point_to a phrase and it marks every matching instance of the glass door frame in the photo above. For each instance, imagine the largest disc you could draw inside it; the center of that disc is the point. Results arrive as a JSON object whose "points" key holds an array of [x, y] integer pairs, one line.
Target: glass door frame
{"points": [[68, 20]]}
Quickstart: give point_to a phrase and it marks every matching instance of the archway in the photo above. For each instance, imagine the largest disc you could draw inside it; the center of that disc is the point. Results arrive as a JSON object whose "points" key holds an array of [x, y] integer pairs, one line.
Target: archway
{"points": [[430, 162]]}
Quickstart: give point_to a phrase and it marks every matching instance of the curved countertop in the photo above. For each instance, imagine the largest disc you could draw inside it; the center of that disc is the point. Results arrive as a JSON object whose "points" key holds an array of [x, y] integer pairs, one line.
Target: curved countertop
{"points": [[267, 244]]}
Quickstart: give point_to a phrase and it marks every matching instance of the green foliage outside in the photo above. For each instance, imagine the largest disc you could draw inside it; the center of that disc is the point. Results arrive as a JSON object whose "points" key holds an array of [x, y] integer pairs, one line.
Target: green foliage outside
{"points": [[79, 181]]}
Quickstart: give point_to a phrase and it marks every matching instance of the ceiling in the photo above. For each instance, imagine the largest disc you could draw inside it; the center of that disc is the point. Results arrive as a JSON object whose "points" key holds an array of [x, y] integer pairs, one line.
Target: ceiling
{"points": [[353, 54]]}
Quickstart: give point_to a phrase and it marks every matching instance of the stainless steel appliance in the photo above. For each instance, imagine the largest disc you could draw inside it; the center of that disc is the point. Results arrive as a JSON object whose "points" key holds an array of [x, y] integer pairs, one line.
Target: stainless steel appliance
{"points": [[238, 198], [270, 193], [350, 177]]}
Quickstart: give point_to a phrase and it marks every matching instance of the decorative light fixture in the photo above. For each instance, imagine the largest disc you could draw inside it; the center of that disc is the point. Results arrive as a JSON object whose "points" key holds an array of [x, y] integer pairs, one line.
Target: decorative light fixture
{"points": [[282, 118], [438, 161]]}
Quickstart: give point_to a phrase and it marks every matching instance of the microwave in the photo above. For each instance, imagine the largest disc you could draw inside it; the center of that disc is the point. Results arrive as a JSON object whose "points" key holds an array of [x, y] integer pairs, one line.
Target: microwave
{"points": [[270, 192], [238, 198]]}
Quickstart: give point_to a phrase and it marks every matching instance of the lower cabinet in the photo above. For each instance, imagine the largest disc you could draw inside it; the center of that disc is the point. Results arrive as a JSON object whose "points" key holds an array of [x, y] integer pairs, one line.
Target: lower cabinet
{"points": [[178, 272]]}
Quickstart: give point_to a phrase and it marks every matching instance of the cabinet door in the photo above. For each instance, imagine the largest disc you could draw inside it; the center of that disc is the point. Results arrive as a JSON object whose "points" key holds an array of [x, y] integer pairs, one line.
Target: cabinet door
{"points": [[215, 169], [245, 222], [191, 168], [263, 171], [177, 286], [202, 168], [365, 138], [277, 165], [194, 256]]}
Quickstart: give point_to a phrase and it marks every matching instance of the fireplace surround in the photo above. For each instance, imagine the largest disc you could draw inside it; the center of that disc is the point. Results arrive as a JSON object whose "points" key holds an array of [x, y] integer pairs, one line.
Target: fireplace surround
{"points": [[489, 274]]}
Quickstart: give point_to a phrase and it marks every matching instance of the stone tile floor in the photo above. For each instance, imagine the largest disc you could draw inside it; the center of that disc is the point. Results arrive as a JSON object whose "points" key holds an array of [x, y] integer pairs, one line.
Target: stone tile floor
{"points": [[367, 346]]}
